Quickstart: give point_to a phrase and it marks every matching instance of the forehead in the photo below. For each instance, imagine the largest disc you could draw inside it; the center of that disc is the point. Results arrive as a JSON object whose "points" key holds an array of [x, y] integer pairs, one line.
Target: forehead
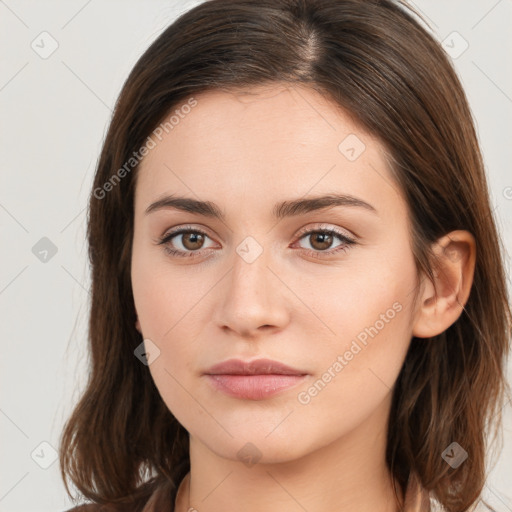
{"points": [[295, 113], [274, 140]]}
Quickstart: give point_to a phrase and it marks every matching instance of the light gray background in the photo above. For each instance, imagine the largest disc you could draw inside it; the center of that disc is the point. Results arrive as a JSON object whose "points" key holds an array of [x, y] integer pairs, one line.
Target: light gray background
{"points": [[54, 114]]}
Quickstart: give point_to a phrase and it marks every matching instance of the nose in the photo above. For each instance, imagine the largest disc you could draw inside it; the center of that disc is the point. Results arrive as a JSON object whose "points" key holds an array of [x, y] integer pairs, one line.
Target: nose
{"points": [[253, 298]]}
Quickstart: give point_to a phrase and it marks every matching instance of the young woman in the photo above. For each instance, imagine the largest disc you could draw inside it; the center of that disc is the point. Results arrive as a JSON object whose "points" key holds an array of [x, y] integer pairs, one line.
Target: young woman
{"points": [[298, 291]]}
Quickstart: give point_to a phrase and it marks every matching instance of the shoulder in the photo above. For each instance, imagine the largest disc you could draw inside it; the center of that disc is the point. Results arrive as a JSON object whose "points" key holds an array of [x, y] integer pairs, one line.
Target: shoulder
{"points": [[155, 500], [96, 507], [158, 495], [90, 507]]}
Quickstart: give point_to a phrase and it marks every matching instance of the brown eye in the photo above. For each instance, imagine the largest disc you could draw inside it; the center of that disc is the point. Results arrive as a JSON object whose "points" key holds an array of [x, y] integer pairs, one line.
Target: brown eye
{"points": [[320, 240], [192, 240], [325, 242], [186, 241]]}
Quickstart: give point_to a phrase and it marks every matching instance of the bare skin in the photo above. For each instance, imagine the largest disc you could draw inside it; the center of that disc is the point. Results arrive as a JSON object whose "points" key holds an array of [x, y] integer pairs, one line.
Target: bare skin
{"points": [[302, 301]]}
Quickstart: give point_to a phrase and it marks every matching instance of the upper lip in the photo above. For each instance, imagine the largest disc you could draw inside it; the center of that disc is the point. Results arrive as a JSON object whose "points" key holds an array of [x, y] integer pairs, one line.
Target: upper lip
{"points": [[255, 367]]}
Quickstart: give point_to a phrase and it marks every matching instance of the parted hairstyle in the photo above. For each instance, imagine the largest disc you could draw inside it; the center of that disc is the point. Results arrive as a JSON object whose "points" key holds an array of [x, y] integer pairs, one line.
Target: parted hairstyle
{"points": [[376, 61]]}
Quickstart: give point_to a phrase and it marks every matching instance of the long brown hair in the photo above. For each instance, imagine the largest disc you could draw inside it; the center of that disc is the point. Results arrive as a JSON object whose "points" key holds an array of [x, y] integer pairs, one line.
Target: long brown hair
{"points": [[376, 61]]}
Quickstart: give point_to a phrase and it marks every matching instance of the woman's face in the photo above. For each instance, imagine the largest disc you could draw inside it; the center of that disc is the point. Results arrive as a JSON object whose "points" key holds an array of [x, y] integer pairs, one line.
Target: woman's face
{"points": [[266, 280]]}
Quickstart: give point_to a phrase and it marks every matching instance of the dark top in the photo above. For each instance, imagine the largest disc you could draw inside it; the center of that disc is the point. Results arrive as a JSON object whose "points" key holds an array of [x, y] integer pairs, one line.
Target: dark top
{"points": [[162, 499]]}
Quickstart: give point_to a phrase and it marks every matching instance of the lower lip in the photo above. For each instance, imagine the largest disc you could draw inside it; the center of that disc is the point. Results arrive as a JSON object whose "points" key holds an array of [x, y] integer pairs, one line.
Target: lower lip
{"points": [[254, 387]]}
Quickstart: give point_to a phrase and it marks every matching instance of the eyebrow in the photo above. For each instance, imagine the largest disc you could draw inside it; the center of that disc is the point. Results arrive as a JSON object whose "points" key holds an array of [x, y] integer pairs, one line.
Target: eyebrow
{"points": [[281, 210]]}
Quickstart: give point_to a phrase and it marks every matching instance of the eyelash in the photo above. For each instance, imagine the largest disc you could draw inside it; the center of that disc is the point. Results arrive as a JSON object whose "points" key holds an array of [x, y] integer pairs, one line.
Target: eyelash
{"points": [[347, 242]]}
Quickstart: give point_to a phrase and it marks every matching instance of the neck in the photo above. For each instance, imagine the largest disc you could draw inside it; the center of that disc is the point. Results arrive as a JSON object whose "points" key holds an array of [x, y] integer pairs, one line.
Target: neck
{"points": [[349, 474]]}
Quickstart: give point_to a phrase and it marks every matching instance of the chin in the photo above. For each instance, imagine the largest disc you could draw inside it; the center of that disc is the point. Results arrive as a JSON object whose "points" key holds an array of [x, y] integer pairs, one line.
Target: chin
{"points": [[255, 446]]}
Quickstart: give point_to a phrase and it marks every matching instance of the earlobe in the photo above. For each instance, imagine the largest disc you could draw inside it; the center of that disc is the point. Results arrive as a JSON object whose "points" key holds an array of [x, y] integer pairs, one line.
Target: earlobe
{"points": [[453, 268], [137, 326]]}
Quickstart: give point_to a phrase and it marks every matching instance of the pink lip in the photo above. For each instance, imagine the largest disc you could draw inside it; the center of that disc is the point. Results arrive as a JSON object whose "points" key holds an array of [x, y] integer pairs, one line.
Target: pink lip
{"points": [[255, 367], [254, 380]]}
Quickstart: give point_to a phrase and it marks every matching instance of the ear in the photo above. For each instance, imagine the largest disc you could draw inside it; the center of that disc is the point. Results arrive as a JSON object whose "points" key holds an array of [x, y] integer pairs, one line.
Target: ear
{"points": [[453, 267], [137, 325]]}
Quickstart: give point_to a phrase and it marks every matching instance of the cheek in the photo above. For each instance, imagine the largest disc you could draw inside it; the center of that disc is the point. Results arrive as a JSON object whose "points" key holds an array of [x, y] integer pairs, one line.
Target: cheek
{"points": [[357, 367], [168, 306], [355, 382], [163, 312], [372, 296], [165, 296], [166, 314]]}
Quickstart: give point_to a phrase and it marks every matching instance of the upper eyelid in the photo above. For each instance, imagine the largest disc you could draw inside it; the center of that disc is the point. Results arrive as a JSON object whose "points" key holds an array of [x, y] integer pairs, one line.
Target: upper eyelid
{"points": [[322, 226], [180, 230], [327, 227]]}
